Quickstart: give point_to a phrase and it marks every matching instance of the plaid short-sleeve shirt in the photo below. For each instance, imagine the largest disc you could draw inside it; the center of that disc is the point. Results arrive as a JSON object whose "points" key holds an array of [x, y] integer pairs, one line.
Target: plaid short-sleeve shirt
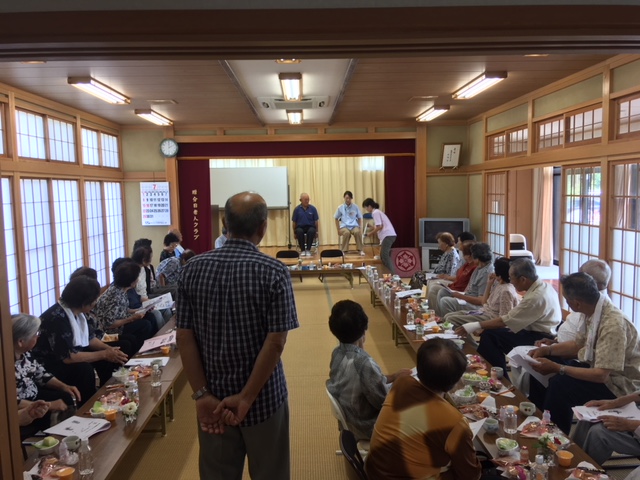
{"points": [[232, 298]]}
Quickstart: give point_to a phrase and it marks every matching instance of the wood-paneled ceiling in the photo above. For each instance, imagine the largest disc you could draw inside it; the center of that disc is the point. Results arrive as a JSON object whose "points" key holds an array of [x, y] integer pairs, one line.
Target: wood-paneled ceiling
{"points": [[376, 65]]}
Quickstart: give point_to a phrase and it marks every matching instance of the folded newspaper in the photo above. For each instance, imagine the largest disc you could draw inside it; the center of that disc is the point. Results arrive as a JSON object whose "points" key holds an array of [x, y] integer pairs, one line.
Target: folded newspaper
{"points": [[592, 414]]}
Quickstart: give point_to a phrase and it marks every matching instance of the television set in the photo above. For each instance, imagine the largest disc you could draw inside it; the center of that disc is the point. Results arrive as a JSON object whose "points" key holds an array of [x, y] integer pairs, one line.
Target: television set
{"points": [[430, 227]]}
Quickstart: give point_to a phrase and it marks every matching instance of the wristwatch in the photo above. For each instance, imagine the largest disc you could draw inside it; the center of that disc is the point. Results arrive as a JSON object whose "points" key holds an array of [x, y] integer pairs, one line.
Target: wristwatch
{"points": [[200, 393], [561, 371]]}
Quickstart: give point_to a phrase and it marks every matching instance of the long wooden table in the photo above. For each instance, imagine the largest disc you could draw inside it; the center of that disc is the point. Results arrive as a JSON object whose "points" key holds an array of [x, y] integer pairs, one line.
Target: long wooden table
{"points": [[484, 440], [110, 447]]}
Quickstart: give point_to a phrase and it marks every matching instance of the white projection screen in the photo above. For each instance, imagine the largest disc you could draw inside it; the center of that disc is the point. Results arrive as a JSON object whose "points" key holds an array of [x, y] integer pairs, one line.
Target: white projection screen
{"points": [[270, 182]]}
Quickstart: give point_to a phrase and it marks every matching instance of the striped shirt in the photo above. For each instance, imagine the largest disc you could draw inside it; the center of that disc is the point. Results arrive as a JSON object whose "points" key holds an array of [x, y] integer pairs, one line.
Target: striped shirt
{"points": [[232, 298]]}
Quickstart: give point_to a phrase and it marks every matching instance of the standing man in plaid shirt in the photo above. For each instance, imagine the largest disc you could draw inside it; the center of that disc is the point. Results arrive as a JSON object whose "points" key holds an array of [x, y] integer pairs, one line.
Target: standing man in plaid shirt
{"points": [[235, 307]]}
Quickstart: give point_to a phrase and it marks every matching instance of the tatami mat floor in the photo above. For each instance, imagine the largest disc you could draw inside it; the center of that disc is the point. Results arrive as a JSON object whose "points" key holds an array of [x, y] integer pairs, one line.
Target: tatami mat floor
{"points": [[314, 432]]}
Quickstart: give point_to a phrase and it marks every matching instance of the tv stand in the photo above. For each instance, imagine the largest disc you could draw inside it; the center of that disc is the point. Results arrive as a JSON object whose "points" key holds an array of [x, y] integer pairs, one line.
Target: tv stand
{"points": [[430, 257]]}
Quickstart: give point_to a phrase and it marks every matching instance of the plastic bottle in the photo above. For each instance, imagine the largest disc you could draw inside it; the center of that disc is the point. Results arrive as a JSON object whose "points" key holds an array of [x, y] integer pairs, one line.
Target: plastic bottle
{"points": [[63, 452], [419, 330], [510, 421], [397, 303], [524, 454], [156, 376], [540, 470], [411, 317], [85, 461], [546, 417]]}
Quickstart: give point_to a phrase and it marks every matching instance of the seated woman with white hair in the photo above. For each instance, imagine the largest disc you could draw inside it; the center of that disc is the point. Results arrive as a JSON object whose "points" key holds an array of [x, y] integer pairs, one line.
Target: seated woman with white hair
{"points": [[33, 381]]}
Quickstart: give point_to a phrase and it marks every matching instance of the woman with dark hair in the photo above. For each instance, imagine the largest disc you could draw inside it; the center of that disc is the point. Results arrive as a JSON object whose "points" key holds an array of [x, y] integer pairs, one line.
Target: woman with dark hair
{"points": [[355, 379], [499, 297], [112, 310], [68, 347], [384, 229], [171, 242], [449, 260]]}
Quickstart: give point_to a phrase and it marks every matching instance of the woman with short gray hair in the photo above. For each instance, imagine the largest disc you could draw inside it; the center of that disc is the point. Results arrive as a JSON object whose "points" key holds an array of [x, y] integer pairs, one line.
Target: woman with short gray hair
{"points": [[33, 382]]}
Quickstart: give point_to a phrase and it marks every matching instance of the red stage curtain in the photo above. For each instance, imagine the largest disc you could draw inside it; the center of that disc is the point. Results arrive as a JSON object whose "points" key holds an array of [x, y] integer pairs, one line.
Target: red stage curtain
{"points": [[399, 186]]}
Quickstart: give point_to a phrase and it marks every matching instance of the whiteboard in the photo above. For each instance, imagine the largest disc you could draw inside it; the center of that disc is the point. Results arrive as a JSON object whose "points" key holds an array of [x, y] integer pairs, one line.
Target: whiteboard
{"points": [[270, 182]]}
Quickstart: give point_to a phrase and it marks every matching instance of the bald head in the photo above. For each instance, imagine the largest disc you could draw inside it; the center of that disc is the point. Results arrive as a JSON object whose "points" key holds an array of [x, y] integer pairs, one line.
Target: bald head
{"points": [[246, 216], [304, 199], [599, 270]]}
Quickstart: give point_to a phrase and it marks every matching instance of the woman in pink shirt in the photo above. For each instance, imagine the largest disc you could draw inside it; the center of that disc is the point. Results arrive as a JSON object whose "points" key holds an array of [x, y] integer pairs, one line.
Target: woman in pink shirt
{"points": [[384, 229]]}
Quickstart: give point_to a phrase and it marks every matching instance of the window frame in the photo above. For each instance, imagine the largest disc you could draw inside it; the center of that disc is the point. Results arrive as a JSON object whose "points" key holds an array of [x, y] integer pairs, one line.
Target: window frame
{"points": [[617, 123]]}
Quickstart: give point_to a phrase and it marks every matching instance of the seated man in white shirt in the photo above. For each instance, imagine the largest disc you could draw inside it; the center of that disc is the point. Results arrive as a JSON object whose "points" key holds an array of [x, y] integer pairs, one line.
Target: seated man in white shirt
{"points": [[348, 219], [534, 318]]}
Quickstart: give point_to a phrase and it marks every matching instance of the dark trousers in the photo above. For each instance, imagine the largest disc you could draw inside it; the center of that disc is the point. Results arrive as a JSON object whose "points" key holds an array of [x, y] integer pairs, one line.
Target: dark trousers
{"points": [[140, 330], [565, 392], [80, 375], [310, 230], [496, 343]]}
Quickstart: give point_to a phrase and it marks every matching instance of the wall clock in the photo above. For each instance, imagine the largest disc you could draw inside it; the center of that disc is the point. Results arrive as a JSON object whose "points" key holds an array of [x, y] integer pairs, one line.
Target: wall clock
{"points": [[169, 147]]}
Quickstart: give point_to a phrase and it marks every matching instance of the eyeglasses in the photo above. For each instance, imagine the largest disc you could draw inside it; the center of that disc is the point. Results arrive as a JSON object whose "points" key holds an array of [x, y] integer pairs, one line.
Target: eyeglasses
{"points": [[38, 333]]}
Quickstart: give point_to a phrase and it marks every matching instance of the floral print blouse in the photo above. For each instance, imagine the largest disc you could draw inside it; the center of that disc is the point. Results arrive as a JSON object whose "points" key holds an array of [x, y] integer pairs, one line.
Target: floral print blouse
{"points": [[30, 374], [112, 305], [448, 263]]}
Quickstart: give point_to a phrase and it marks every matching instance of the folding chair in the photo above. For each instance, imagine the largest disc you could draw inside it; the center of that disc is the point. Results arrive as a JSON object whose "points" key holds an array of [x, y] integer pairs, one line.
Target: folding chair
{"points": [[288, 254], [349, 448]]}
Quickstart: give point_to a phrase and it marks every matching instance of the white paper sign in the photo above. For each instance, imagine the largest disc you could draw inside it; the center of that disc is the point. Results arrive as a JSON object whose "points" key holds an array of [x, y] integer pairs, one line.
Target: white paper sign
{"points": [[155, 202]]}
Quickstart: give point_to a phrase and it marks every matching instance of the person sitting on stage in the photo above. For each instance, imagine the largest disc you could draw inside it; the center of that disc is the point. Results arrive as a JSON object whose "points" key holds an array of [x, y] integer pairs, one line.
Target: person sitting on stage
{"points": [[355, 379], [534, 318], [606, 346], [499, 297], [305, 222], [348, 219], [449, 260], [447, 299], [418, 433]]}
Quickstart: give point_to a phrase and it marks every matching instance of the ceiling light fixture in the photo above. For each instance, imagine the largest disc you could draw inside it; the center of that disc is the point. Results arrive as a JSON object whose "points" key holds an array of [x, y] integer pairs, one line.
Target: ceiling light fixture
{"points": [[153, 117], [288, 61], [291, 84], [294, 116], [479, 84], [432, 112], [98, 89]]}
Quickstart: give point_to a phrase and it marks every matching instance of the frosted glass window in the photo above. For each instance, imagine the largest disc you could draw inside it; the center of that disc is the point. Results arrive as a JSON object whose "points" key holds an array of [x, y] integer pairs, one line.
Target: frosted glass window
{"points": [[114, 221], [39, 252], [30, 135], [96, 240], [66, 205], [61, 141], [10, 247], [109, 150], [90, 147]]}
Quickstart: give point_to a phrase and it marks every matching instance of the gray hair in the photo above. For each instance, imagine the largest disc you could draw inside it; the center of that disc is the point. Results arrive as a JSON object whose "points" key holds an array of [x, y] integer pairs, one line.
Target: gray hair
{"points": [[25, 326], [599, 270], [580, 286], [524, 267]]}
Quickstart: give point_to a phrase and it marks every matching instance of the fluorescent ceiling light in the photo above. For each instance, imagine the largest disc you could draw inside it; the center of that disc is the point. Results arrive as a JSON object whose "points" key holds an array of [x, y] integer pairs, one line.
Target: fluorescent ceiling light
{"points": [[432, 112], [291, 84], [287, 61], [153, 117], [295, 117], [479, 84], [98, 89]]}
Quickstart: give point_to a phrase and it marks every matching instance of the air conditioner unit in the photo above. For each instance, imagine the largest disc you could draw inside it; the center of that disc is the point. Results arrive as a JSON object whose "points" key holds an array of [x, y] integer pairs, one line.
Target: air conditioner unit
{"points": [[274, 103]]}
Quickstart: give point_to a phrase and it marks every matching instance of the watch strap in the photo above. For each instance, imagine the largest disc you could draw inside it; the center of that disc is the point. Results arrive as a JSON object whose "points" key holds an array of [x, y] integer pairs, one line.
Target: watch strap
{"points": [[200, 393], [562, 370]]}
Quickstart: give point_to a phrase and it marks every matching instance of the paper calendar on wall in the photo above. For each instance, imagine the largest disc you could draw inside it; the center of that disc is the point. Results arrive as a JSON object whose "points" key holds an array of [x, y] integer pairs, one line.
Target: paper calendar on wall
{"points": [[156, 207]]}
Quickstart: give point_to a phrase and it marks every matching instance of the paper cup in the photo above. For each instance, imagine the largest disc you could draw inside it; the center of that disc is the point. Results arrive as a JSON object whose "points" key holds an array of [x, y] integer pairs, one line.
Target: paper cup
{"points": [[564, 458]]}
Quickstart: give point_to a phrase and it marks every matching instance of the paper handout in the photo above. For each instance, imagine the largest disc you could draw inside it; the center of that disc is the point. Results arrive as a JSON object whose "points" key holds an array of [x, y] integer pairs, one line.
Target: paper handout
{"points": [[408, 293], [159, 303], [591, 414], [519, 357], [82, 427], [157, 342]]}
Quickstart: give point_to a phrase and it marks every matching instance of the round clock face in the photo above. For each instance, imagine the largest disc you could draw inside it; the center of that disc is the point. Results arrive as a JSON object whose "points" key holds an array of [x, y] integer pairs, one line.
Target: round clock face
{"points": [[169, 147]]}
